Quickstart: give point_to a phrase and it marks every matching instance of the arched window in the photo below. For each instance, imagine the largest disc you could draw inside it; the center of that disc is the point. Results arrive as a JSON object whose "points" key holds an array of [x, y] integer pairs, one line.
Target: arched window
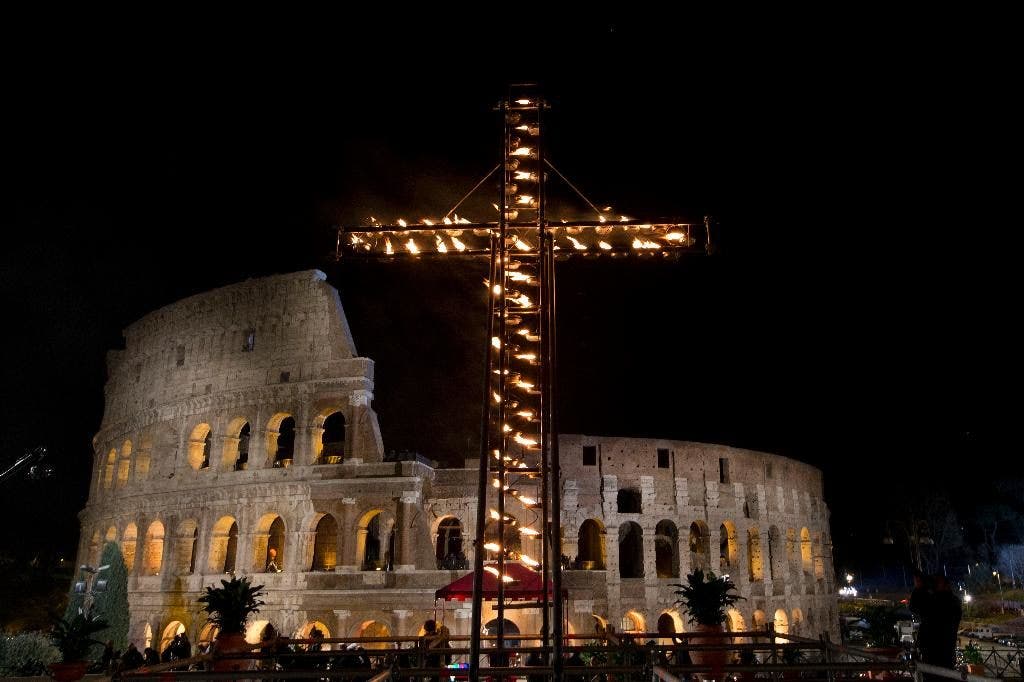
{"points": [[633, 621], [325, 545], [284, 449], [754, 559], [734, 621], [728, 548], [796, 624], [129, 542], [108, 472], [199, 443], [448, 545], [185, 548], [631, 550], [781, 622], [175, 627], [806, 554], [224, 545], [700, 546], [333, 439], [666, 549], [373, 628], [236, 445], [111, 535], [153, 549], [508, 629], [375, 542], [629, 501], [268, 544], [125, 465], [590, 551], [760, 620]]}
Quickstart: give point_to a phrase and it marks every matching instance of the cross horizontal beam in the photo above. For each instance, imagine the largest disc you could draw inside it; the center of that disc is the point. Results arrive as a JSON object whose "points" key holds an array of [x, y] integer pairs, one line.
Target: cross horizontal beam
{"points": [[569, 239]]}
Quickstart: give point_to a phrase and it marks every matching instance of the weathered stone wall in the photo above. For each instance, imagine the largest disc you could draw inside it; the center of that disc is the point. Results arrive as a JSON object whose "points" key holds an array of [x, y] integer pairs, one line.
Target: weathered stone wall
{"points": [[356, 536]]}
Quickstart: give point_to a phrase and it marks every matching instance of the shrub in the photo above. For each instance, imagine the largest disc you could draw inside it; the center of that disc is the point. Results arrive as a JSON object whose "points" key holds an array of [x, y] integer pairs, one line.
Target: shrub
{"points": [[26, 653]]}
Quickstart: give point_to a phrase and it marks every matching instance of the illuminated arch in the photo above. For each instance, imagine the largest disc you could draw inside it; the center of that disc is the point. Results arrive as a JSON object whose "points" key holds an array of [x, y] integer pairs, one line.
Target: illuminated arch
{"points": [[224, 545], [374, 628], [108, 472], [633, 621], [700, 546], [329, 437], [375, 541], [236, 445], [269, 535], [781, 622], [448, 540], [153, 549], [124, 466], [728, 547], [200, 443], [806, 555], [175, 627], [111, 535], [760, 620], [129, 544], [325, 545], [666, 549], [590, 545], [281, 439]]}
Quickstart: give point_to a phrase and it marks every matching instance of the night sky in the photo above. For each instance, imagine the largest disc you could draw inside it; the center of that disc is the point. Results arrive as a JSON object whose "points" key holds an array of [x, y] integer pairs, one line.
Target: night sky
{"points": [[856, 316]]}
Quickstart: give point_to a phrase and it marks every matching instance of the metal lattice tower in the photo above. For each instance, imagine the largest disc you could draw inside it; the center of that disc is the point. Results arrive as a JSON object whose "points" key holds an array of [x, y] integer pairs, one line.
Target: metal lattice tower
{"points": [[518, 511]]}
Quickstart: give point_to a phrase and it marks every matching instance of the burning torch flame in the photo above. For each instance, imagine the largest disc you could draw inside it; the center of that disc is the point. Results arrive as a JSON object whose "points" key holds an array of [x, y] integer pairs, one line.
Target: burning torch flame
{"points": [[523, 440], [524, 175], [522, 151], [494, 547], [528, 561], [402, 223], [441, 247], [526, 414], [524, 199], [527, 356], [458, 244], [605, 245], [496, 342], [522, 246], [601, 218], [497, 398], [576, 244], [529, 532], [675, 236], [387, 246], [411, 245], [428, 221], [519, 276], [645, 244]]}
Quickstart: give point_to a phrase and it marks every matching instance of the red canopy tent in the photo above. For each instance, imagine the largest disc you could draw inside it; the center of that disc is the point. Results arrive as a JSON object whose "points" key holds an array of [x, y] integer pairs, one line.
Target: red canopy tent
{"points": [[526, 584]]}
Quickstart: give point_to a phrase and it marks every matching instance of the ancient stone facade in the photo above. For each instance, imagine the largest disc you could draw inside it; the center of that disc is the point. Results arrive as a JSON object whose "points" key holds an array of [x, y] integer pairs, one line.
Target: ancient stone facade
{"points": [[239, 437]]}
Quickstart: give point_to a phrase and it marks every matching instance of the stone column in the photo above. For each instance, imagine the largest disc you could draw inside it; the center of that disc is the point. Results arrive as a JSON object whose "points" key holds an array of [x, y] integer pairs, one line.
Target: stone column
{"points": [[362, 432], [341, 618], [649, 539], [406, 560], [204, 539], [347, 540], [298, 551], [402, 623]]}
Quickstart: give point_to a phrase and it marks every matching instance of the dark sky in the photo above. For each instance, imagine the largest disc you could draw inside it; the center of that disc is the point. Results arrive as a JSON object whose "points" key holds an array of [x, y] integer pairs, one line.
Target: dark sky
{"points": [[857, 315]]}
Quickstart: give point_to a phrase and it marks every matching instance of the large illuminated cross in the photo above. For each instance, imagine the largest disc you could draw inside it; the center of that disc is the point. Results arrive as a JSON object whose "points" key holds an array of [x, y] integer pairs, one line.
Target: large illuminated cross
{"points": [[519, 467]]}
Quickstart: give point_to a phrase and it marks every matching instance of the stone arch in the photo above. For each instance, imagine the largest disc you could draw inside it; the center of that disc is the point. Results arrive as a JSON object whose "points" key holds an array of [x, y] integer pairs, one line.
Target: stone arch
{"points": [[728, 547], [633, 621], [305, 630], [781, 622], [254, 631], [186, 540], [111, 535], [207, 635], [666, 549], [776, 554], [671, 617], [200, 444], [755, 562], [129, 545], [700, 546], [147, 637], [796, 622], [329, 436], [325, 545], [224, 545], [108, 472], [124, 466], [281, 439], [153, 549], [269, 535], [631, 550], [375, 541], [734, 621], [818, 556], [600, 623], [590, 549], [806, 555], [374, 628], [760, 620], [236, 445], [629, 501], [175, 627], [448, 541]]}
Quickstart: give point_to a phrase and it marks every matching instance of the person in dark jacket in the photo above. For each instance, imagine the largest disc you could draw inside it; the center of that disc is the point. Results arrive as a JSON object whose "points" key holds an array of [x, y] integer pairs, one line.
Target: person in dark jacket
{"points": [[131, 659]]}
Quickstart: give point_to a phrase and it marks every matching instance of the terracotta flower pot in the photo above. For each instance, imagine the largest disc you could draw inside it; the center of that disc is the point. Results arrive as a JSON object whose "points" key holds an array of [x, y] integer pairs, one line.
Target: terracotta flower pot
{"points": [[715, 659], [67, 672], [230, 643]]}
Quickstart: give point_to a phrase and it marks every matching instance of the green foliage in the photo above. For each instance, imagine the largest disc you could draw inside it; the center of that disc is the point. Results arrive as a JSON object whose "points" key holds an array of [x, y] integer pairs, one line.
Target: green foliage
{"points": [[112, 603], [73, 636], [972, 654], [706, 596], [229, 607], [26, 654], [881, 625]]}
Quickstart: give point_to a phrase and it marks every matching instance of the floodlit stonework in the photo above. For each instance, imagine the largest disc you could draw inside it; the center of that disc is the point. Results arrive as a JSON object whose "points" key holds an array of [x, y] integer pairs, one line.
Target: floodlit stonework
{"points": [[240, 421]]}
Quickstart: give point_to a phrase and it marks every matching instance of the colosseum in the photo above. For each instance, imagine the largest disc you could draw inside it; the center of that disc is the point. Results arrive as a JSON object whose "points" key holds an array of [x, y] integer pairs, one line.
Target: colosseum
{"points": [[239, 425]]}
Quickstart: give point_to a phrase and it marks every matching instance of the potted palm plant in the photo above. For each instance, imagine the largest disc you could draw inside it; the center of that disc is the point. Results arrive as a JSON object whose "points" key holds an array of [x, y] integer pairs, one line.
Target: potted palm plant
{"points": [[228, 607], [72, 636], [706, 597], [973, 659]]}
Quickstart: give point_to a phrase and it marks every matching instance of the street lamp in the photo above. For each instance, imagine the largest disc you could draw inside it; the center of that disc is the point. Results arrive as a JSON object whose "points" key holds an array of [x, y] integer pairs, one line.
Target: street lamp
{"points": [[999, 582]]}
